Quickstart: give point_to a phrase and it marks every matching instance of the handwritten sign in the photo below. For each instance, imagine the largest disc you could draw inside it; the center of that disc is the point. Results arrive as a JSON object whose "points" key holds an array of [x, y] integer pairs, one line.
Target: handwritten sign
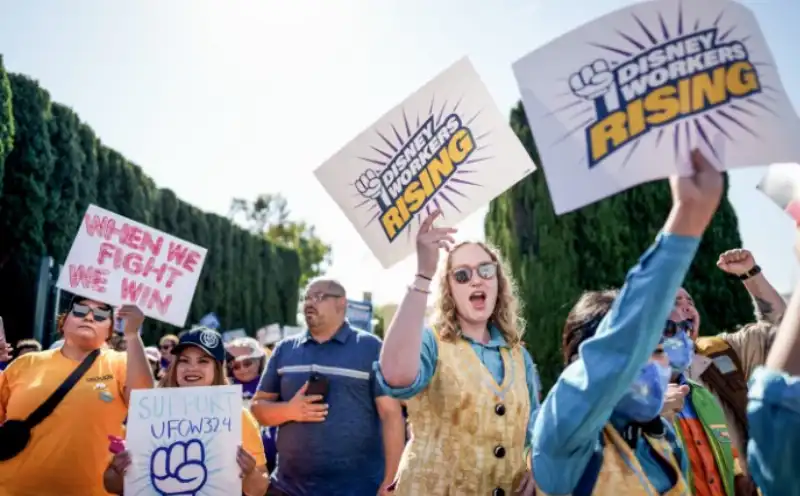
{"points": [[118, 261], [184, 441], [622, 100], [446, 147]]}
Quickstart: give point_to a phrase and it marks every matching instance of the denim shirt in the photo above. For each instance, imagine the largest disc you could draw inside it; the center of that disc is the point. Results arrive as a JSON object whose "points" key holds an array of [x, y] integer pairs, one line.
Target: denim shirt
{"points": [[489, 355], [571, 419], [773, 416]]}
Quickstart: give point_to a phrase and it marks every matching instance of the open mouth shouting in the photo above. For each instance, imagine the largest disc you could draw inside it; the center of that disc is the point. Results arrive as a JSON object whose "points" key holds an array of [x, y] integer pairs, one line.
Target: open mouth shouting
{"points": [[478, 300]]}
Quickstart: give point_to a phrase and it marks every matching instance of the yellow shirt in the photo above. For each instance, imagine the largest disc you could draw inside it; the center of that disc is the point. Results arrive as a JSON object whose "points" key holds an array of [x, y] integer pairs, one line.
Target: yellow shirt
{"points": [[68, 451]]}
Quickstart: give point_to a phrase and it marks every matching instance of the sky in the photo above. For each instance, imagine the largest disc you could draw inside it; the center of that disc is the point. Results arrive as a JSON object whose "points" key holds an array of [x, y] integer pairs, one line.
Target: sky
{"points": [[217, 100]]}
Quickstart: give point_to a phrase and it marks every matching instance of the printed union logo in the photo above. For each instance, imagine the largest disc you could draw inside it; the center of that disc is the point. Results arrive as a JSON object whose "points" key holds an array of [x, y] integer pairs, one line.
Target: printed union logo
{"points": [[209, 339], [662, 82], [418, 169]]}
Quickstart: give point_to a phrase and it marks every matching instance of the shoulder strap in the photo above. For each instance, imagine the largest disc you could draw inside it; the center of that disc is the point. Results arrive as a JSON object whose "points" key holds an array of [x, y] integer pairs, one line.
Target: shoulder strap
{"points": [[50, 404]]}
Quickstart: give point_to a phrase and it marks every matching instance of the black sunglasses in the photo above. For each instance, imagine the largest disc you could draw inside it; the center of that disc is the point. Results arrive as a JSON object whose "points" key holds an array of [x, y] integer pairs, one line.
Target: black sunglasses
{"points": [[100, 314], [486, 271], [672, 328]]}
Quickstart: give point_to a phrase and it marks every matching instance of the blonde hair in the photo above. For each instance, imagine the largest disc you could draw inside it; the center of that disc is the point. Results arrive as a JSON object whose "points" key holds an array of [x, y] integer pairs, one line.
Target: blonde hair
{"points": [[170, 378], [506, 316]]}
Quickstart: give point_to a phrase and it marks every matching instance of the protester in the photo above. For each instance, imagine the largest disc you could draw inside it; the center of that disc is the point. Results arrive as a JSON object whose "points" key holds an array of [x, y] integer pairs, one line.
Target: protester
{"points": [[200, 361], [165, 346], [598, 430], [153, 358], [700, 422], [724, 363], [344, 437], [773, 411], [247, 363], [67, 450], [469, 387]]}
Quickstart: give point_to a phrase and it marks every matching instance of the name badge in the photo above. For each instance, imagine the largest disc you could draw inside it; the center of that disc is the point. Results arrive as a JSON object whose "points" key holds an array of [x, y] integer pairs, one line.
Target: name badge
{"points": [[725, 364]]}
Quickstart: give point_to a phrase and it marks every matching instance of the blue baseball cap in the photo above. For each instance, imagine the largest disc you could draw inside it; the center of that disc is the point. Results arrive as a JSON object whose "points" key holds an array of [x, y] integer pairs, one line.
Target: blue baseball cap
{"points": [[208, 340]]}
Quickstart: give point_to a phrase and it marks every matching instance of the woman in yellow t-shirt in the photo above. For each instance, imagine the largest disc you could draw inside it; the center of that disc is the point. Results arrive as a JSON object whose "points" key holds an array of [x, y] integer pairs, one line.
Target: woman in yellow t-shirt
{"points": [[200, 361], [68, 450]]}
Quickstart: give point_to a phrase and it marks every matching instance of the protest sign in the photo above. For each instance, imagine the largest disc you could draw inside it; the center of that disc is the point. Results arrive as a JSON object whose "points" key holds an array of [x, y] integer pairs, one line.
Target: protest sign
{"points": [[211, 321], [622, 100], [782, 184], [446, 147], [118, 261], [184, 441], [270, 334], [359, 314], [229, 336]]}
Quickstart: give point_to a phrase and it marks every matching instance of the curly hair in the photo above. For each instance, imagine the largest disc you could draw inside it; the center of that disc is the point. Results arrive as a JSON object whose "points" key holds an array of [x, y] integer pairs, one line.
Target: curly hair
{"points": [[507, 314]]}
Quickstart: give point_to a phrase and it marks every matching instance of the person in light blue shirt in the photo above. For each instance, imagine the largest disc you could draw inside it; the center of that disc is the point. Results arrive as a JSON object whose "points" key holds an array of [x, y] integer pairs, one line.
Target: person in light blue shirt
{"points": [[598, 431], [773, 410]]}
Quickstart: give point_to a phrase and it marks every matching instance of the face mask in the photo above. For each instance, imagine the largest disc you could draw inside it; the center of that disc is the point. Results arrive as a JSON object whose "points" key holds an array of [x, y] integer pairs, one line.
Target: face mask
{"points": [[645, 398], [680, 350]]}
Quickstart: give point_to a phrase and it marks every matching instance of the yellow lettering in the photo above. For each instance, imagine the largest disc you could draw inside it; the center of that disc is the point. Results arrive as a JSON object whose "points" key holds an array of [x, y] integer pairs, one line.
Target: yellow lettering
{"points": [[636, 122], [742, 79], [460, 145], [661, 105], [708, 90], [684, 95], [414, 196], [612, 128], [392, 223]]}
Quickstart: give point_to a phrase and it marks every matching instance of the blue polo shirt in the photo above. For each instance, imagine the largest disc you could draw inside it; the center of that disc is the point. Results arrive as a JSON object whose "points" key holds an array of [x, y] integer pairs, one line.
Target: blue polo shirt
{"points": [[342, 456]]}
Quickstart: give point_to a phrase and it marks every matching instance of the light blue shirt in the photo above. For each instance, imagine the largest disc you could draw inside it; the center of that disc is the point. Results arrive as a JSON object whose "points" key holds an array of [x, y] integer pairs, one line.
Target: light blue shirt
{"points": [[773, 416], [489, 355], [570, 421]]}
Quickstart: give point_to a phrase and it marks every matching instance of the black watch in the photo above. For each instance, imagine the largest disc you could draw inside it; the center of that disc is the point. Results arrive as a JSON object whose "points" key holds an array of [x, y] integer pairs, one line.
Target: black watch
{"points": [[750, 273]]}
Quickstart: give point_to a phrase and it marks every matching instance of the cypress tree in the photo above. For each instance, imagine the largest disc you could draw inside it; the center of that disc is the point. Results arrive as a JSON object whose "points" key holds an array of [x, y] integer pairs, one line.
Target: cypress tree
{"points": [[89, 183], [6, 122], [556, 258]]}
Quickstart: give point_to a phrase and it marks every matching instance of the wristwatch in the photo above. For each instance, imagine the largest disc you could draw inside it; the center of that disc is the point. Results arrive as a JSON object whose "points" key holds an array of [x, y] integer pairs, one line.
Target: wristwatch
{"points": [[750, 273]]}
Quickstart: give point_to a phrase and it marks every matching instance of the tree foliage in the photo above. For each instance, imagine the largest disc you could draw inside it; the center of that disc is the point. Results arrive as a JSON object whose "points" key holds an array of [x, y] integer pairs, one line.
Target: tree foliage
{"points": [[269, 216], [556, 258], [57, 167]]}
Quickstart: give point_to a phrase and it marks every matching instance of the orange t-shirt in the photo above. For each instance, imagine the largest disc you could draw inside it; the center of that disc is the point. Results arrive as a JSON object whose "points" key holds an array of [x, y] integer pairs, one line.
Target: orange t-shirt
{"points": [[68, 451]]}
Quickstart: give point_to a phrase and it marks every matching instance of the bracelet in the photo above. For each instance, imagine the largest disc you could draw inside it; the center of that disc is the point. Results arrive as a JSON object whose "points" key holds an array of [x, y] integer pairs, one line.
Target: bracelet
{"points": [[412, 287], [423, 276], [750, 273]]}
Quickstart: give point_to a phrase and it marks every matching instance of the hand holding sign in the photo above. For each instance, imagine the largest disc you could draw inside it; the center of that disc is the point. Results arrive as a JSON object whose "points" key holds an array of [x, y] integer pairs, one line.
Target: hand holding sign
{"points": [[179, 469], [429, 241]]}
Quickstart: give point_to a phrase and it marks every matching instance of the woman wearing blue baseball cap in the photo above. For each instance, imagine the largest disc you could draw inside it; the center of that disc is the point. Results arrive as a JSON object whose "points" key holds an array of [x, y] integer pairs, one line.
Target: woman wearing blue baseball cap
{"points": [[200, 361]]}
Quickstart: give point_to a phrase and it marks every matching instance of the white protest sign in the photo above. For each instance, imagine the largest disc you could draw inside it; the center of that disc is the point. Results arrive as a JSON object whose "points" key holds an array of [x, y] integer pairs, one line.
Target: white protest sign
{"points": [[184, 441], [118, 261], [446, 147], [623, 100], [229, 336], [782, 184]]}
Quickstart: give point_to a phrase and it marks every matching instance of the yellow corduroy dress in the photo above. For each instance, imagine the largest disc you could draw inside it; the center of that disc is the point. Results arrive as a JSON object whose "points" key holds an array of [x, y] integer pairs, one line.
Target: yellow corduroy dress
{"points": [[468, 431], [621, 473]]}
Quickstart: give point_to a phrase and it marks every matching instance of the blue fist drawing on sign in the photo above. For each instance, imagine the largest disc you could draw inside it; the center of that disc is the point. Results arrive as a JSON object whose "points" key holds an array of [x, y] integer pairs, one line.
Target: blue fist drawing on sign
{"points": [[596, 82], [179, 469]]}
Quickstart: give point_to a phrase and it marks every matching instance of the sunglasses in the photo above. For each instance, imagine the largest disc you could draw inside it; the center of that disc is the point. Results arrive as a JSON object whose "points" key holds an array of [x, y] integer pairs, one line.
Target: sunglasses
{"points": [[672, 328], [486, 271], [166, 347], [100, 314], [242, 364]]}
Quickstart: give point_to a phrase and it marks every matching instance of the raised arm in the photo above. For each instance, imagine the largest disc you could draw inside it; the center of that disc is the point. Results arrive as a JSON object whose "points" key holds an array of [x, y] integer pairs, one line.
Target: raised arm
{"points": [[573, 414], [400, 356], [768, 303]]}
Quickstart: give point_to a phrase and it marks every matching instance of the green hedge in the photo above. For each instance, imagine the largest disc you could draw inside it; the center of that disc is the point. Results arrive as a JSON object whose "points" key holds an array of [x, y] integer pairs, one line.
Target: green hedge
{"points": [[57, 167]]}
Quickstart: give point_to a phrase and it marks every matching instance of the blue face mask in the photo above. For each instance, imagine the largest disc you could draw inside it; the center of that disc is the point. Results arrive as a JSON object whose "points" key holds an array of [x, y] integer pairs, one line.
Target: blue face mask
{"points": [[680, 350], [645, 398]]}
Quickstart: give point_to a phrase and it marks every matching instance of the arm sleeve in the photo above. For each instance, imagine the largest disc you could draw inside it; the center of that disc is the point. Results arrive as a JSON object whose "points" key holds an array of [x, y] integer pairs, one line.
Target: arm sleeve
{"points": [[429, 355]]}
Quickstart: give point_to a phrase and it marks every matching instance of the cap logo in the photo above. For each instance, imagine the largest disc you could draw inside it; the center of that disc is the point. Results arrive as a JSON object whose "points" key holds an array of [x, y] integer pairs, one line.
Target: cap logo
{"points": [[209, 339]]}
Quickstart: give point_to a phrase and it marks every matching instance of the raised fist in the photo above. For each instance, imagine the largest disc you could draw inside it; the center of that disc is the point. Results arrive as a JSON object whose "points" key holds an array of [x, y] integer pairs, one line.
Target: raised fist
{"points": [[592, 81], [736, 262], [369, 184], [179, 469]]}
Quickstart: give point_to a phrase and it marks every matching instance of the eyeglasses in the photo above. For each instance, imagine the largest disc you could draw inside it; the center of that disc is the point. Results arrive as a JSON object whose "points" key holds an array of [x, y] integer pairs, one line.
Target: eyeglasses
{"points": [[100, 314], [672, 328], [166, 347], [318, 297], [486, 271], [242, 364]]}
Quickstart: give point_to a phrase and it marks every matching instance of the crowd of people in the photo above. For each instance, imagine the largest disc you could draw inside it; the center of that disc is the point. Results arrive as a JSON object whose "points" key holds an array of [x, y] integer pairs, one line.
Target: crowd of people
{"points": [[644, 405]]}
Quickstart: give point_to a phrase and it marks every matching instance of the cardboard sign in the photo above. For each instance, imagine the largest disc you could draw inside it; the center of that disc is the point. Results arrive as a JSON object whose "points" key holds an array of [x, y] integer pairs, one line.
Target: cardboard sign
{"points": [[782, 184], [624, 99], [118, 261], [184, 441], [359, 314], [446, 147]]}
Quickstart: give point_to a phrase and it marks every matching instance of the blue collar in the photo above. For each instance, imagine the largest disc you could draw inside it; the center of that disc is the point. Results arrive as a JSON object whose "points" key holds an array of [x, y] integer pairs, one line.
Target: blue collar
{"points": [[496, 339], [341, 335]]}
